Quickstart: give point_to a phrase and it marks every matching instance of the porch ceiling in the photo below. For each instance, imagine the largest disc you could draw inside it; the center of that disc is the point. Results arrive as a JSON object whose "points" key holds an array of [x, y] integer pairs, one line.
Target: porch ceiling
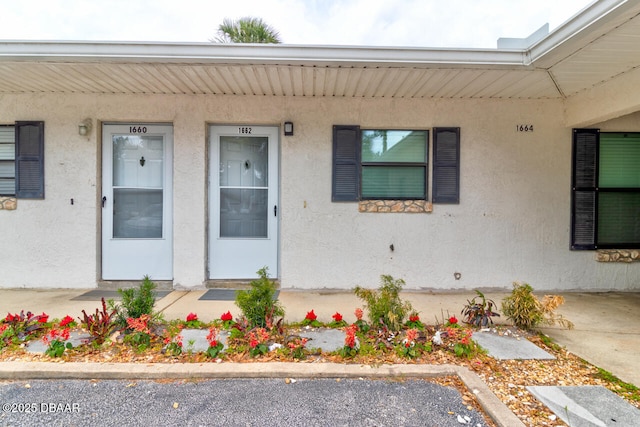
{"points": [[597, 46]]}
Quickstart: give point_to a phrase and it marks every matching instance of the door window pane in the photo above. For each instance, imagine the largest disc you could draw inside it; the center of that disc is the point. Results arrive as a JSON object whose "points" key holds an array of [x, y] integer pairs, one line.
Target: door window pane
{"points": [[138, 164], [137, 213], [137, 161], [243, 161], [244, 164], [243, 213]]}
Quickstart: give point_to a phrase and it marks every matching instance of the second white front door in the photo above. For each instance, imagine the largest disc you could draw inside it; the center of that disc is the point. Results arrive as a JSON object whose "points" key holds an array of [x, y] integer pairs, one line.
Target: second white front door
{"points": [[243, 201]]}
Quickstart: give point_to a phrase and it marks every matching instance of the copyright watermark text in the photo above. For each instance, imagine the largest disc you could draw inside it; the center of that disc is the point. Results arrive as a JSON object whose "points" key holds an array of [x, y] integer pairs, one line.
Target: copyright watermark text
{"points": [[43, 407]]}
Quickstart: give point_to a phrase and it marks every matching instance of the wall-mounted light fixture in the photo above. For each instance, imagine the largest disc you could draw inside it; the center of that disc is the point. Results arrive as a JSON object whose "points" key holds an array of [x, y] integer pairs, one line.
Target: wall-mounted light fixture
{"points": [[84, 128], [288, 128]]}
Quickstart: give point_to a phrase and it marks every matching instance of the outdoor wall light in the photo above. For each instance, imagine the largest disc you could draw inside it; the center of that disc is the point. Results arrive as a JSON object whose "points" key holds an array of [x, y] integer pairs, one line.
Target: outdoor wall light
{"points": [[288, 128], [84, 128]]}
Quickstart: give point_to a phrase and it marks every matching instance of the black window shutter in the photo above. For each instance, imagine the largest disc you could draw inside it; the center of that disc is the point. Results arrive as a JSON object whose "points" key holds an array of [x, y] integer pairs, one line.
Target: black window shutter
{"points": [[446, 165], [584, 183], [30, 160], [346, 164]]}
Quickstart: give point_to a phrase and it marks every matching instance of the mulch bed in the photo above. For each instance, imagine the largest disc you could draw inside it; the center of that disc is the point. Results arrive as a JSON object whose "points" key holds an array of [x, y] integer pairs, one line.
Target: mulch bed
{"points": [[508, 379]]}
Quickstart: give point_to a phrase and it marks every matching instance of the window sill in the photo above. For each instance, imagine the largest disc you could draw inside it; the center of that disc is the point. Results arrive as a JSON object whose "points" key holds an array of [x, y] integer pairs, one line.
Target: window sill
{"points": [[395, 206], [618, 255], [8, 203]]}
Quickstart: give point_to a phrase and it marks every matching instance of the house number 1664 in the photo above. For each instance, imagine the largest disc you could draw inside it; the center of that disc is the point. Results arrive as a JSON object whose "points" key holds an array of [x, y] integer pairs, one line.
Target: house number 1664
{"points": [[524, 128]]}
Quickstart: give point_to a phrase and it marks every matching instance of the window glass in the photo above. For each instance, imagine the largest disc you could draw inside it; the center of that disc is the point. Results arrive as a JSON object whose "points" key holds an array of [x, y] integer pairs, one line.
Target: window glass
{"points": [[386, 182], [619, 160], [7, 161], [394, 164], [394, 146], [618, 218]]}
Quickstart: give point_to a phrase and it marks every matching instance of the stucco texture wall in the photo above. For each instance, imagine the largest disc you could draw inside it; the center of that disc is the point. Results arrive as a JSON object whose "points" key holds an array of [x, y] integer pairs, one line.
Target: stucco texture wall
{"points": [[512, 222]]}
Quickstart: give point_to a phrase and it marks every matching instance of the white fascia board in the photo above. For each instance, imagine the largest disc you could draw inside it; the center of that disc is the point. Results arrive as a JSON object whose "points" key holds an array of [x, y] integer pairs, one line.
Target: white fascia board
{"points": [[213, 53], [584, 27]]}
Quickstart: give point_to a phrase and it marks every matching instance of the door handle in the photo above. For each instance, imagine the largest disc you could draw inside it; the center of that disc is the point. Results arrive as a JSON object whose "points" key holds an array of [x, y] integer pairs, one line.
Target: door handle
{"points": [[104, 200], [275, 210]]}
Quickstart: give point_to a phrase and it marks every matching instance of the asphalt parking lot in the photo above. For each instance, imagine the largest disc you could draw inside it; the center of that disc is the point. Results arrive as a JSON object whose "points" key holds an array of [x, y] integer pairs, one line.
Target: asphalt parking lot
{"points": [[234, 402]]}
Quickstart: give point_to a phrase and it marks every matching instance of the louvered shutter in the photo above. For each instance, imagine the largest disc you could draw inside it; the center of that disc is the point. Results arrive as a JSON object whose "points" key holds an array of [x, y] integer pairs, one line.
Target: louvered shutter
{"points": [[584, 183], [346, 164], [446, 165], [30, 160]]}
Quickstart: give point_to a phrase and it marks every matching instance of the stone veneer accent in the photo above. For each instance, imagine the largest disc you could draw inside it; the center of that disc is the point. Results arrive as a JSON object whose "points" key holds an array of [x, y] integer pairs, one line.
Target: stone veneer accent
{"points": [[394, 206], [618, 255], [8, 203]]}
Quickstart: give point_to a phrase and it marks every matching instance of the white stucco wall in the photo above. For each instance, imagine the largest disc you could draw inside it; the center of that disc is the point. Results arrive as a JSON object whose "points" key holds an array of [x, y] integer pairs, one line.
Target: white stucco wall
{"points": [[512, 222]]}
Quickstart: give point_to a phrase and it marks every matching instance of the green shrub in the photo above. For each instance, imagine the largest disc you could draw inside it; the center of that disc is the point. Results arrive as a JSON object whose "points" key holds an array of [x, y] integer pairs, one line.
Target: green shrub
{"points": [[522, 307], [384, 305], [258, 304], [526, 311], [135, 302]]}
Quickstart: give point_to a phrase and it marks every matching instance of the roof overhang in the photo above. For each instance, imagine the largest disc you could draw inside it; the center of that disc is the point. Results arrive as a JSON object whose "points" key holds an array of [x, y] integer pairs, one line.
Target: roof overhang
{"points": [[593, 49]]}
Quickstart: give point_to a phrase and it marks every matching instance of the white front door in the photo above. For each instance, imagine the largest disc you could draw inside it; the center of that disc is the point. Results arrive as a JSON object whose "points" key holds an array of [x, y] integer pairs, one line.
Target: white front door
{"points": [[137, 234], [243, 201]]}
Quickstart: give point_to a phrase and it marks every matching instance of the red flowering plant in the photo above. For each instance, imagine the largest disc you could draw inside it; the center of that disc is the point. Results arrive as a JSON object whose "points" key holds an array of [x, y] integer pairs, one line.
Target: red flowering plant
{"points": [[337, 321], [452, 322], [192, 321], [311, 320], [139, 334], [296, 346], [172, 345], [460, 340], [414, 322], [227, 320], [258, 339], [362, 325], [409, 346], [6, 334], [351, 343], [21, 327], [215, 346], [67, 321], [56, 342]]}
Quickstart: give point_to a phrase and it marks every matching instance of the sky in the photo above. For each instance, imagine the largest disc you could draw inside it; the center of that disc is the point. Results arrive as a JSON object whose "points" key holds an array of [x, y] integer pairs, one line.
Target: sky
{"points": [[414, 23]]}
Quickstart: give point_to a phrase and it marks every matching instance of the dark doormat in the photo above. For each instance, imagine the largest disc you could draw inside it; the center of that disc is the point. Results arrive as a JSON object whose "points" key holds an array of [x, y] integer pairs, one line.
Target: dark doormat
{"points": [[97, 294], [223, 294]]}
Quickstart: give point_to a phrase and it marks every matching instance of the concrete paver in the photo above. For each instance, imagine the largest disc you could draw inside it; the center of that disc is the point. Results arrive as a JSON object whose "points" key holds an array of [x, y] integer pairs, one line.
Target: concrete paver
{"points": [[587, 406], [503, 348]]}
